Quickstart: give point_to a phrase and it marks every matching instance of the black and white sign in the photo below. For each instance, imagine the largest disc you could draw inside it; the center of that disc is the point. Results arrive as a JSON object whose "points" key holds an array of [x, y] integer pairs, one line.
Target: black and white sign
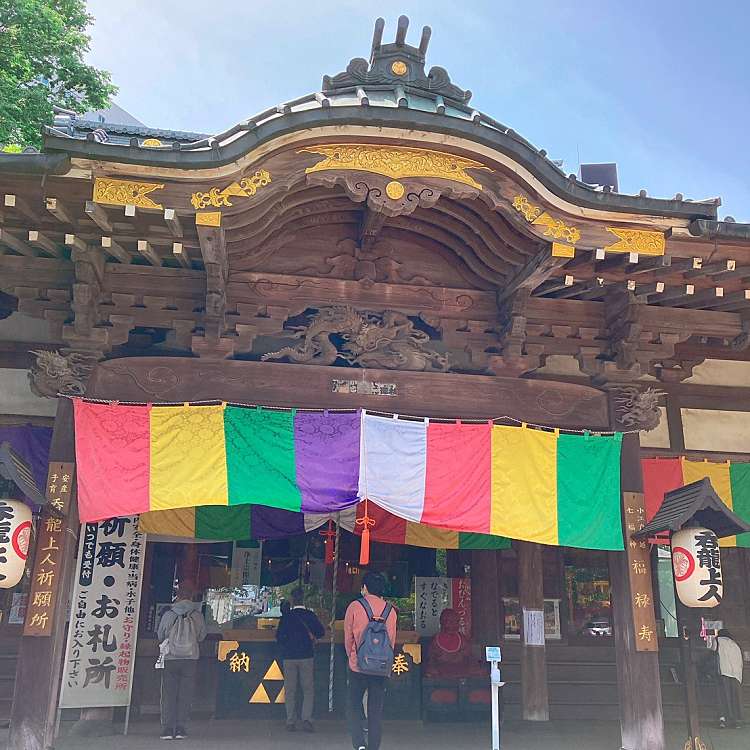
{"points": [[100, 655]]}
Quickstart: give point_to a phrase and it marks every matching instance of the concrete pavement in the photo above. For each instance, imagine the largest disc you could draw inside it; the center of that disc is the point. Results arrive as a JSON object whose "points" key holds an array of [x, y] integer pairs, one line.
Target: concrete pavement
{"points": [[398, 735]]}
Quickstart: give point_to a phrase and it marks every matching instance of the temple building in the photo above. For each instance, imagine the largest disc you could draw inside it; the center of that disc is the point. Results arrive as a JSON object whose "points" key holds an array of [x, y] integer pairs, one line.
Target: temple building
{"points": [[369, 328]]}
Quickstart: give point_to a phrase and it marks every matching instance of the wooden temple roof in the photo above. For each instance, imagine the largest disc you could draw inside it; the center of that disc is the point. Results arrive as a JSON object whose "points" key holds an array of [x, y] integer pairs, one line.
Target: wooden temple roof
{"points": [[385, 187]]}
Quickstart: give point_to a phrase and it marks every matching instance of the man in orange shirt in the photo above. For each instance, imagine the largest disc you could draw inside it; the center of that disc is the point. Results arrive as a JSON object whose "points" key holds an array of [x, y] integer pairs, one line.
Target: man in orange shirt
{"points": [[356, 622]]}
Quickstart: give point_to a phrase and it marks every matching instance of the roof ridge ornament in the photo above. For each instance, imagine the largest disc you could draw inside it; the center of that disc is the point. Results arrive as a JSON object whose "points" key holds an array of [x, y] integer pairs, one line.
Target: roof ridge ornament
{"points": [[397, 64]]}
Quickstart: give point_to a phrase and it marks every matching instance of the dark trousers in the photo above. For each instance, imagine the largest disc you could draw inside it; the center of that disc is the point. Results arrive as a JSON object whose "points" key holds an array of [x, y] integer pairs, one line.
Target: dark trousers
{"points": [[177, 681], [729, 699], [375, 687]]}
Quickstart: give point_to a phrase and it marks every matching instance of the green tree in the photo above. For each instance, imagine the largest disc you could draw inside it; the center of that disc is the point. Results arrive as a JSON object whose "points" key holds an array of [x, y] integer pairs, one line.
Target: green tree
{"points": [[42, 45]]}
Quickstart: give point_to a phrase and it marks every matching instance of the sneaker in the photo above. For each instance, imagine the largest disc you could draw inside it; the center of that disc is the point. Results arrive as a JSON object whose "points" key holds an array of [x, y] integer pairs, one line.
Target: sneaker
{"points": [[166, 734], [307, 726], [180, 734], [722, 723]]}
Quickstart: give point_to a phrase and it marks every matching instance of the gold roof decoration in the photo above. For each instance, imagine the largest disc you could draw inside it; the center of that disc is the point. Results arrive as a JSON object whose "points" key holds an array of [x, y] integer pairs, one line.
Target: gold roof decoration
{"points": [[396, 162]]}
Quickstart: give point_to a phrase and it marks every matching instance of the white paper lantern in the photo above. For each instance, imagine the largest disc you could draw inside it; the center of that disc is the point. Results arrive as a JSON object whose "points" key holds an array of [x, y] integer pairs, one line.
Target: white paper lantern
{"points": [[696, 562], [15, 535]]}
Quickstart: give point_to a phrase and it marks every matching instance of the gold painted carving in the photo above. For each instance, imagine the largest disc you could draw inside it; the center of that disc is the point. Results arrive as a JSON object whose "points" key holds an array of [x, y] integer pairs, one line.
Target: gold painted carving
{"points": [[395, 162], [637, 241], [125, 192], [561, 250], [522, 205], [555, 228], [394, 190], [208, 218], [399, 68], [151, 143], [245, 188]]}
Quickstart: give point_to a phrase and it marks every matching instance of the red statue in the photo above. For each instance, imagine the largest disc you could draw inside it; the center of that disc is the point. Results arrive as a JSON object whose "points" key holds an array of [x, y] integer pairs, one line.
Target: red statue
{"points": [[449, 654]]}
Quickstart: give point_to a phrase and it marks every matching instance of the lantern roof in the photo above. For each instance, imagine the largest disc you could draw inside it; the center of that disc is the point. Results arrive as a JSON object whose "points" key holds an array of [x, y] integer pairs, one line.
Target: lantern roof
{"points": [[695, 504], [15, 469]]}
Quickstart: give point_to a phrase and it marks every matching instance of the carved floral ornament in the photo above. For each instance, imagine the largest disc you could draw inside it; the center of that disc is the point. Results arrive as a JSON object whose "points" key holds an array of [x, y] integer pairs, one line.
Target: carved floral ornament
{"points": [[218, 197], [125, 193], [555, 228], [396, 162], [637, 241]]}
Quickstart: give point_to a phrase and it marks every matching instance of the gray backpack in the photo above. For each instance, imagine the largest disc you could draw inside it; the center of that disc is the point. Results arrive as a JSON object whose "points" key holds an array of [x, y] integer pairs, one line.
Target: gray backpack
{"points": [[375, 652], [182, 639]]}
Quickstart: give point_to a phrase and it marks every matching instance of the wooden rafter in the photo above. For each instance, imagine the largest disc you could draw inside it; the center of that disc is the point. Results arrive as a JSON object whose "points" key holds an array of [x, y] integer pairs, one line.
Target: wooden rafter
{"points": [[535, 272]]}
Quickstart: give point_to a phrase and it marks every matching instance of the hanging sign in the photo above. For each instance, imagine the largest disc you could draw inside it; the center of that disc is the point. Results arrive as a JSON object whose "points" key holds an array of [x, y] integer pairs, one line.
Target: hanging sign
{"points": [[100, 655], [696, 561], [15, 534], [639, 573], [433, 595], [246, 564], [533, 627]]}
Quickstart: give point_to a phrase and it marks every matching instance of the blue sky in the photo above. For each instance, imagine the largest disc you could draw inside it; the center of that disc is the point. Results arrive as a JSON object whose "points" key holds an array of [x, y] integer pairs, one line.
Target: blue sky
{"points": [[660, 87]]}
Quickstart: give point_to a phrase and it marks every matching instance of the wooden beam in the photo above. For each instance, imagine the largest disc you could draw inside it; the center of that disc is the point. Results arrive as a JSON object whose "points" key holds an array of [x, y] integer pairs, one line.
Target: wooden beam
{"points": [[37, 683], [530, 276], [44, 243], [6, 238], [99, 216], [75, 242], [179, 251], [19, 205], [534, 691], [148, 252], [370, 225], [116, 250], [58, 210], [639, 686], [172, 220]]}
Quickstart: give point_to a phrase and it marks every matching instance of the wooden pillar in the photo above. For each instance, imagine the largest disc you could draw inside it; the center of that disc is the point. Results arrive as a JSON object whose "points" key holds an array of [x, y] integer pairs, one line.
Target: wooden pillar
{"points": [[486, 607], [534, 693], [34, 712], [641, 719]]}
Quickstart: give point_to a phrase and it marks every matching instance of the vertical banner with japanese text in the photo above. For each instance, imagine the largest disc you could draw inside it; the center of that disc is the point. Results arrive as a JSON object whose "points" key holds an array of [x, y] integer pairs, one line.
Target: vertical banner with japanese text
{"points": [[461, 588], [100, 654], [639, 569], [432, 596], [45, 581]]}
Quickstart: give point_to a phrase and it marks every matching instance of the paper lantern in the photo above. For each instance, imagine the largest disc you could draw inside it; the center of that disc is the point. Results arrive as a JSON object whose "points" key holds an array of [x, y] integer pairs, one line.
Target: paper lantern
{"points": [[15, 535], [696, 562]]}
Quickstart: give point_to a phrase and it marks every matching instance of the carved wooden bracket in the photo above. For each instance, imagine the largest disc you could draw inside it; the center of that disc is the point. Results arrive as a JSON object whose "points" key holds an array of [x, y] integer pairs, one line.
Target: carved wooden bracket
{"points": [[634, 407], [61, 372], [213, 344], [392, 197], [518, 356]]}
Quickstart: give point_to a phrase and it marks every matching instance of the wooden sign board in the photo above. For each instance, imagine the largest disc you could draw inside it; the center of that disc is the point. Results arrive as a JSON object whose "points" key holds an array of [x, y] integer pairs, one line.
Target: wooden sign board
{"points": [[59, 488], [639, 568], [45, 581]]}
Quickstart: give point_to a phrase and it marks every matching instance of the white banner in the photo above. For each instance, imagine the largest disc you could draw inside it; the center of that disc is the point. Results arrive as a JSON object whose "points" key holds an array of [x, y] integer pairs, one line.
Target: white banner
{"points": [[103, 629], [432, 596]]}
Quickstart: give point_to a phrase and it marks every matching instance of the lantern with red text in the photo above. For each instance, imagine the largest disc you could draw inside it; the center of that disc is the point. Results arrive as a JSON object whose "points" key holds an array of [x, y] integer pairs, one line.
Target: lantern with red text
{"points": [[15, 534], [696, 561]]}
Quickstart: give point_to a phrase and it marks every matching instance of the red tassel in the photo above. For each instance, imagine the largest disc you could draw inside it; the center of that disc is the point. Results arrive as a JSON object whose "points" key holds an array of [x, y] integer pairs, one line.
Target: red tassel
{"points": [[364, 546], [329, 535], [366, 522]]}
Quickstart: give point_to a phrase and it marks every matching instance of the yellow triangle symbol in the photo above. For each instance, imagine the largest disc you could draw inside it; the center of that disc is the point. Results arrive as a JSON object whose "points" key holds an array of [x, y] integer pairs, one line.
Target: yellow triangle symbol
{"points": [[260, 695], [274, 673], [281, 697]]}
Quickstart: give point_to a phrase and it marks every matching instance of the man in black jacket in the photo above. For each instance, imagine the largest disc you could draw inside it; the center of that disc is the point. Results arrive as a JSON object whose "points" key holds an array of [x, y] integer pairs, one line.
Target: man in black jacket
{"points": [[297, 633]]}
